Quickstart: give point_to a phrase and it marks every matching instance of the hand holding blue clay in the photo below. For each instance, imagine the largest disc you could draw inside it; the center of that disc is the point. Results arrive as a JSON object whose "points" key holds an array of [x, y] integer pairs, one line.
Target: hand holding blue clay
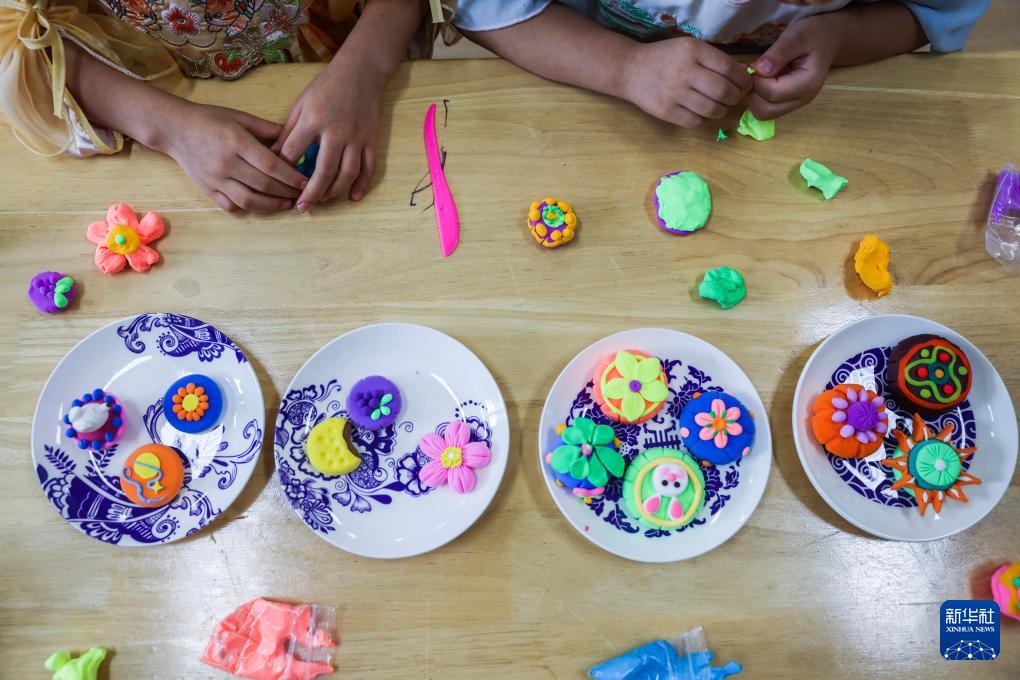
{"points": [[306, 164], [373, 403]]}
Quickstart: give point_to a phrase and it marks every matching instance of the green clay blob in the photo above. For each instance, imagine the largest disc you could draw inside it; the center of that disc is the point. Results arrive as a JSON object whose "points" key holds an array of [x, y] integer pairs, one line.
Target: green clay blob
{"points": [[760, 130], [724, 285], [683, 202], [719, 136], [820, 177], [553, 216]]}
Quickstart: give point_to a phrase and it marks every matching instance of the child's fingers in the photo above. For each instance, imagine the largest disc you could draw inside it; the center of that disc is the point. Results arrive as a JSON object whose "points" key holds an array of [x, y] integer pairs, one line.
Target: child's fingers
{"points": [[326, 166], [297, 142], [716, 87], [364, 180], [726, 66], [785, 49], [703, 106], [288, 127], [683, 117], [268, 163], [221, 200], [252, 177], [246, 199], [350, 168], [763, 109], [263, 130]]}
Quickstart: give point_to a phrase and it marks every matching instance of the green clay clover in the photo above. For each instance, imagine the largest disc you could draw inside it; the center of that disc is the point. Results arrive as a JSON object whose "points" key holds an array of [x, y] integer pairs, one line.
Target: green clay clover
{"points": [[383, 409], [640, 384], [60, 290], [587, 453]]}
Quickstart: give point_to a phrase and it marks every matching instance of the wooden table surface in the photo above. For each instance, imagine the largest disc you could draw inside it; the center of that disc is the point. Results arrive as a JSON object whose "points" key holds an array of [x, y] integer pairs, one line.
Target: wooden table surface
{"points": [[798, 592]]}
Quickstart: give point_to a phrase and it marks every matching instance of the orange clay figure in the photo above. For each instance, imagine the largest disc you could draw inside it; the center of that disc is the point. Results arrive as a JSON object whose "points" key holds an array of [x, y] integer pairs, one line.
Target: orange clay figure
{"points": [[257, 641], [929, 467], [849, 421]]}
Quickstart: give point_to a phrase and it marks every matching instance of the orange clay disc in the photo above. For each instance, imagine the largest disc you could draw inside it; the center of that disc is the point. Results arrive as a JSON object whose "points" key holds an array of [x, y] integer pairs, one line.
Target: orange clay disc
{"points": [[152, 476], [833, 413]]}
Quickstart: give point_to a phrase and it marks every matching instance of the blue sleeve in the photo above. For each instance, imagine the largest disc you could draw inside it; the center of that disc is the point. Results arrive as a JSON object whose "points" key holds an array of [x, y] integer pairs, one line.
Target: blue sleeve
{"points": [[489, 15], [947, 23]]}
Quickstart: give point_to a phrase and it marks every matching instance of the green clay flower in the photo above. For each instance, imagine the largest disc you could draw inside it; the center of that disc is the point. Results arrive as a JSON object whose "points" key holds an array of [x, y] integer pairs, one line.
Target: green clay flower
{"points": [[382, 409], [587, 453], [639, 384]]}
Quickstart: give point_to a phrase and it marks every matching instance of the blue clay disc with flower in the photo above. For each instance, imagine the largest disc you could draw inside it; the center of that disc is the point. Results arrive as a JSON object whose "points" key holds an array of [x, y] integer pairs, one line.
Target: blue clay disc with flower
{"points": [[586, 458], [717, 428], [373, 403], [193, 404]]}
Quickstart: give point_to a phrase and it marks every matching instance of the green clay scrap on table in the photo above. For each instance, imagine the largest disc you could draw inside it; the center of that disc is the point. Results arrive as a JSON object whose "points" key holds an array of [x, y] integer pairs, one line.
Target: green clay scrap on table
{"points": [[750, 70], [724, 285], [761, 130], [721, 135], [820, 177], [85, 667], [684, 202]]}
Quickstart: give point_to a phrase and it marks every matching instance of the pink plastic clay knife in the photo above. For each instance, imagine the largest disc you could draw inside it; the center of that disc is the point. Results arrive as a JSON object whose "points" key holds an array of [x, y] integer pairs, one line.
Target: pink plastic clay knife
{"points": [[447, 221]]}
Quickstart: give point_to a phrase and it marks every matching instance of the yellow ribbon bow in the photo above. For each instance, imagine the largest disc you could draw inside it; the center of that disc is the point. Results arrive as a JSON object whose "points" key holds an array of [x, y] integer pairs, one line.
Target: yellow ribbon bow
{"points": [[37, 32]]}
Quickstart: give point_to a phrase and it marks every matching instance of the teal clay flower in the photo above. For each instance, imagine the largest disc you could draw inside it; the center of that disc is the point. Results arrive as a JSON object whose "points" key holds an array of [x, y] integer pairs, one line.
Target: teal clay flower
{"points": [[588, 453]]}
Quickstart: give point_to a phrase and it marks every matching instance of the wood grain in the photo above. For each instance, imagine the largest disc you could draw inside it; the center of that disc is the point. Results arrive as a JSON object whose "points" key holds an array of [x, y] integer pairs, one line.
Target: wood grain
{"points": [[521, 594]]}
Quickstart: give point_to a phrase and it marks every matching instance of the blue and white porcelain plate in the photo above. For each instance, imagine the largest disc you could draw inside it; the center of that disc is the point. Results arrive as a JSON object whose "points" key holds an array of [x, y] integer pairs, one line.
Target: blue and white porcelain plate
{"points": [[383, 509], [732, 491], [859, 489], [137, 359]]}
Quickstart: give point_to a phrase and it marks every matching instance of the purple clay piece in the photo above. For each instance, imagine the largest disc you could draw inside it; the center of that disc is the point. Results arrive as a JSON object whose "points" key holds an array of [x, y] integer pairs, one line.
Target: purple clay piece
{"points": [[1007, 194], [374, 403], [51, 292]]}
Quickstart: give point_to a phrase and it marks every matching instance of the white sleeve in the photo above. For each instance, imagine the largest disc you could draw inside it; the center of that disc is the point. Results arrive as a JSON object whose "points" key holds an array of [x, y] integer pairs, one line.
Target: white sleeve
{"points": [[489, 15]]}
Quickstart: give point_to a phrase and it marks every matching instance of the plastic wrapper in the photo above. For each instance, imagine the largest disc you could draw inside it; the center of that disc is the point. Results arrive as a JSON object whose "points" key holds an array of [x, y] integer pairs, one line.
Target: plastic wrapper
{"points": [[686, 657], [1002, 231], [266, 640]]}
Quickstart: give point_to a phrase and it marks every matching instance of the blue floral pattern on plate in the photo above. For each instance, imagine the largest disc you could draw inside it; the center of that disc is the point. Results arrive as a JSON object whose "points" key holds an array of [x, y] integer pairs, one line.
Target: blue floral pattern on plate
{"points": [[183, 335], [84, 486], [867, 476], [662, 430], [386, 471]]}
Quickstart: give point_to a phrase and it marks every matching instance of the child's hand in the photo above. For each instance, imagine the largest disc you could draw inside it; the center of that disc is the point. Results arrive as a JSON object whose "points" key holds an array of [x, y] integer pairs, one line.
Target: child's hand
{"points": [[220, 150], [791, 72], [684, 81], [340, 111]]}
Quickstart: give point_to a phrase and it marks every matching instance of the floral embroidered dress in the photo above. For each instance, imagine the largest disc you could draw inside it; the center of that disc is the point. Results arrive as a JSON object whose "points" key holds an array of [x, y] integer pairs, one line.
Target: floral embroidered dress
{"points": [[149, 39]]}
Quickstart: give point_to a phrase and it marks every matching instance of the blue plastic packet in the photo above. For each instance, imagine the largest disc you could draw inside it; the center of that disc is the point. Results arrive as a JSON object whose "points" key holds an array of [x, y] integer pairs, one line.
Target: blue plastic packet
{"points": [[684, 658]]}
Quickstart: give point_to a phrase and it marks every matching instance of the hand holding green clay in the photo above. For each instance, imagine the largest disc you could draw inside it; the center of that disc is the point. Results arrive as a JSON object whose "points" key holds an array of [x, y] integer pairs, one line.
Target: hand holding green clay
{"points": [[85, 667], [820, 177], [724, 285]]}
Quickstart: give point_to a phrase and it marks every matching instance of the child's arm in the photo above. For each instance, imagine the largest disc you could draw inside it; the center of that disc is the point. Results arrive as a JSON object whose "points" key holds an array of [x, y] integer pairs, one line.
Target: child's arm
{"points": [[217, 147], [793, 70], [682, 80], [340, 107]]}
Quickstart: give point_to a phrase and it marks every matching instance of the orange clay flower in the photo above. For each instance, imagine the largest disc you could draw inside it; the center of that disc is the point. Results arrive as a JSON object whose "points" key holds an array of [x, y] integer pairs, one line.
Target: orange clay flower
{"points": [[191, 402], [122, 239]]}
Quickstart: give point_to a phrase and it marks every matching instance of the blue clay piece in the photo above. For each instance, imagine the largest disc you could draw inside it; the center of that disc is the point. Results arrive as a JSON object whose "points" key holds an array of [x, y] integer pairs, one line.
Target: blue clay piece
{"points": [[212, 413], [736, 444], [306, 164]]}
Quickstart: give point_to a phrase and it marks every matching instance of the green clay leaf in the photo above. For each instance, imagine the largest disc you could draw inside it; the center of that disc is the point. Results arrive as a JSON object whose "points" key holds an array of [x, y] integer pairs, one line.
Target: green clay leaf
{"points": [[648, 370], [654, 391], [603, 435], [632, 406], [579, 468], [572, 435], [386, 398], [617, 388], [626, 364], [60, 300], [597, 474], [586, 426], [611, 459], [63, 285], [376, 414], [563, 457]]}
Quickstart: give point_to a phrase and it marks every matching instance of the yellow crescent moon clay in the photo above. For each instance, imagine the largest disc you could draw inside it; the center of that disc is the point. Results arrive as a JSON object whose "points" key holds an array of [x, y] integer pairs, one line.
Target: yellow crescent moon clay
{"points": [[329, 448]]}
